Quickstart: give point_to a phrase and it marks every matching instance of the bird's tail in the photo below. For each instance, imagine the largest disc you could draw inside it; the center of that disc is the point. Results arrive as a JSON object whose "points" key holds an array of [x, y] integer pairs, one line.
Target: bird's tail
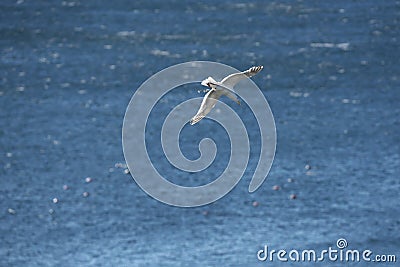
{"points": [[231, 96]]}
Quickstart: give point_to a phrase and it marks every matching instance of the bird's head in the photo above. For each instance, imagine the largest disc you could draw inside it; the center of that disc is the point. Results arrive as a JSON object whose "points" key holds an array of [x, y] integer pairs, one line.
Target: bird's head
{"points": [[208, 82]]}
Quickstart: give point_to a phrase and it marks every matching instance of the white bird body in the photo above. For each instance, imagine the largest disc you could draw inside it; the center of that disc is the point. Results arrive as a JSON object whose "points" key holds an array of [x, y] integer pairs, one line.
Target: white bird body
{"points": [[217, 89]]}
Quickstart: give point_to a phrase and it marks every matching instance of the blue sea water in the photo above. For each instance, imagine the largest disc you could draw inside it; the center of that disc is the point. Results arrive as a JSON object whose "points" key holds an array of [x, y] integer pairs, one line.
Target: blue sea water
{"points": [[69, 68]]}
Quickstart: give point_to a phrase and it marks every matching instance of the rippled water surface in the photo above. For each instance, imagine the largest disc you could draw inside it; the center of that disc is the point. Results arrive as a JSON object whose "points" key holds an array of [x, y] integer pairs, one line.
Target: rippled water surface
{"points": [[69, 68]]}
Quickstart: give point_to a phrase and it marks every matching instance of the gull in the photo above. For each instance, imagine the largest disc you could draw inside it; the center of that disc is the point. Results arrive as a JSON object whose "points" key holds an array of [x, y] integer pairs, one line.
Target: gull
{"points": [[217, 89]]}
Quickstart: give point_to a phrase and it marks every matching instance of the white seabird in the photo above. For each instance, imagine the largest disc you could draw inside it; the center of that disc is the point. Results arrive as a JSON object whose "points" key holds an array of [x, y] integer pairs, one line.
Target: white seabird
{"points": [[217, 89]]}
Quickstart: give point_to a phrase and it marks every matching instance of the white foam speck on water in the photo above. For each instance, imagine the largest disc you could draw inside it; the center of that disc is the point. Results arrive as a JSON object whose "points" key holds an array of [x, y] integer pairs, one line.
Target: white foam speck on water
{"points": [[158, 52], [343, 46]]}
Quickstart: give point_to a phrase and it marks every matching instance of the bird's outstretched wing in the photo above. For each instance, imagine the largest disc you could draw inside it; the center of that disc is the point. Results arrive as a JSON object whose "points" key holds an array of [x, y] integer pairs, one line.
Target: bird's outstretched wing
{"points": [[231, 80], [209, 101]]}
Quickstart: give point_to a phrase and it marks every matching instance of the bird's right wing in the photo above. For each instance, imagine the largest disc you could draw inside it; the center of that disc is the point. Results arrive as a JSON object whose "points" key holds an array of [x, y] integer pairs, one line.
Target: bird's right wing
{"points": [[231, 80], [209, 101]]}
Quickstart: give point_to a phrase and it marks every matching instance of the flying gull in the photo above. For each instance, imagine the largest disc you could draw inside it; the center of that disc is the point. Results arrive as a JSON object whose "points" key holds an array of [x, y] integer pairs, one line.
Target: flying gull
{"points": [[217, 89]]}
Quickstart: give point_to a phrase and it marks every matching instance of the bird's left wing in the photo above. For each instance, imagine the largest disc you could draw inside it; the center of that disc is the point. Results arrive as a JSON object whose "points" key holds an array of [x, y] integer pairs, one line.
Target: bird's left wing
{"points": [[209, 101], [231, 80]]}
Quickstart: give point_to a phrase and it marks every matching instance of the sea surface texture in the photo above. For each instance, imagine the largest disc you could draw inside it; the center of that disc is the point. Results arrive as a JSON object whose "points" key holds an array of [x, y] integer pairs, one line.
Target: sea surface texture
{"points": [[69, 69]]}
